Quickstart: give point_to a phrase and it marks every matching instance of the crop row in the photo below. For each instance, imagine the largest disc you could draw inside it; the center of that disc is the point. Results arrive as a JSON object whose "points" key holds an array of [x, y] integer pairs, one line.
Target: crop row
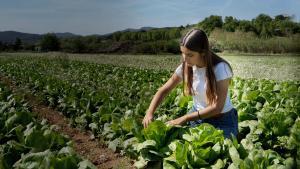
{"points": [[111, 101]]}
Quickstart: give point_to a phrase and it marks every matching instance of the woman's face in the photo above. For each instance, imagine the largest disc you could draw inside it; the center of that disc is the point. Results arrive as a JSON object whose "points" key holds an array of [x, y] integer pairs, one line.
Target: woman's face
{"points": [[191, 57]]}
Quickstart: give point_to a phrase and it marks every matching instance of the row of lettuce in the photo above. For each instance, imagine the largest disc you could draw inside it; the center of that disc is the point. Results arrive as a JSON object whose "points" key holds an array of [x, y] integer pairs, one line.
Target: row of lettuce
{"points": [[111, 101], [26, 142]]}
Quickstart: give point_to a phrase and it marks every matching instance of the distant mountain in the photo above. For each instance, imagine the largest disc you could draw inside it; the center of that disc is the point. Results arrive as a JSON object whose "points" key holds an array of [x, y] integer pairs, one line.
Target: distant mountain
{"points": [[130, 30], [66, 35], [10, 36], [144, 29], [137, 30]]}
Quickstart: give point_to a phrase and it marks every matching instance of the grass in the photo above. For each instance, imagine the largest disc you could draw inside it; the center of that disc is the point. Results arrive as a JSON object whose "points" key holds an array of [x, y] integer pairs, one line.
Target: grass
{"points": [[249, 42], [275, 67]]}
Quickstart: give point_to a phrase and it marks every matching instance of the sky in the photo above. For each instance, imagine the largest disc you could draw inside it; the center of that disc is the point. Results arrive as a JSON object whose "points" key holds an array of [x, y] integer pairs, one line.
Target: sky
{"points": [[86, 17]]}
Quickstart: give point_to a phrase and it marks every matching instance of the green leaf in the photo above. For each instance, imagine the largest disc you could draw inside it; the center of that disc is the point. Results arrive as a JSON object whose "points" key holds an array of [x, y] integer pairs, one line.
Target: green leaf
{"points": [[113, 145], [181, 153], [218, 165], [234, 155], [141, 163], [250, 95], [169, 165], [148, 144], [86, 165], [156, 131]]}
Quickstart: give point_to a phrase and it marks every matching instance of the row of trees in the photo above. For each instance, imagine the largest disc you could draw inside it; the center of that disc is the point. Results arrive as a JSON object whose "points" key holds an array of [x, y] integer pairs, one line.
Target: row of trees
{"points": [[16, 46], [94, 44], [151, 35], [165, 40], [49, 42], [263, 25]]}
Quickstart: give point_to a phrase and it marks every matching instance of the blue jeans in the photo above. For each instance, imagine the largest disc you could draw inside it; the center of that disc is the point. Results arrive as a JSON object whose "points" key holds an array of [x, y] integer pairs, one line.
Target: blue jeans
{"points": [[228, 122]]}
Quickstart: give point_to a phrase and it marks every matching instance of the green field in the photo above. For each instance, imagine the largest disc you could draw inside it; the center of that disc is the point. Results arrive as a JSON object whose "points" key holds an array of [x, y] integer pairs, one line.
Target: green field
{"points": [[111, 98], [275, 67], [28, 142]]}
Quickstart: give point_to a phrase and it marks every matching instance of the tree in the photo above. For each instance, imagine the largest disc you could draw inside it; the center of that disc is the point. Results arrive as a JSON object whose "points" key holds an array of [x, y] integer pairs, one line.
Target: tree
{"points": [[230, 24], [116, 36], [77, 45], [284, 25], [50, 42], [262, 21], [245, 26], [210, 23], [2, 46], [283, 18], [18, 44], [265, 33], [174, 33], [172, 47], [28, 46]]}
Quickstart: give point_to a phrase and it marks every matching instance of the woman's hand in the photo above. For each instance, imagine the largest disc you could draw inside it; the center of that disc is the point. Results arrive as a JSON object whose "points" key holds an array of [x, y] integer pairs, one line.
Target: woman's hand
{"points": [[147, 119], [179, 121]]}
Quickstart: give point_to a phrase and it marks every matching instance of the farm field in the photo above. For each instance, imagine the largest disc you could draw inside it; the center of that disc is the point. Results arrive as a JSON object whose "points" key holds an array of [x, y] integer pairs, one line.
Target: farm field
{"points": [[26, 142], [109, 94], [279, 67]]}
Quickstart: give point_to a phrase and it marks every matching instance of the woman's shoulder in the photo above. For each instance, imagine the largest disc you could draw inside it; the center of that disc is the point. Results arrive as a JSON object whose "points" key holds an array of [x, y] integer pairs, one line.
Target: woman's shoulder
{"points": [[221, 64], [178, 70], [222, 71]]}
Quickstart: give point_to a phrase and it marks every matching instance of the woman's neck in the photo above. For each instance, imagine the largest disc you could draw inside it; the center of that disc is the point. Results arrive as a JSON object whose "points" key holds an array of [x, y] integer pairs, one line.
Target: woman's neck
{"points": [[200, 65]]}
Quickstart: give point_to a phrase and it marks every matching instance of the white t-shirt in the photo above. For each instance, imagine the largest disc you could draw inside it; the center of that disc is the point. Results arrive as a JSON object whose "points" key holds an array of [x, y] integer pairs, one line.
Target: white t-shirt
{"points": [[222, 71]]}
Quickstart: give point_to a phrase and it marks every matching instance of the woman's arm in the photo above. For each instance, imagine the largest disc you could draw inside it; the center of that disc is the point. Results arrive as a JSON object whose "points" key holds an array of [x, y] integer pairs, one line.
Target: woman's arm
{"points": [[210, 111], [159, 96]]}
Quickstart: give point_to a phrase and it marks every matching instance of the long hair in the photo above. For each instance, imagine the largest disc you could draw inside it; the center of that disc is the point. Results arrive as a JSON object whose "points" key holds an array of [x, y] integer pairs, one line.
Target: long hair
{"points": [[196, 40]]}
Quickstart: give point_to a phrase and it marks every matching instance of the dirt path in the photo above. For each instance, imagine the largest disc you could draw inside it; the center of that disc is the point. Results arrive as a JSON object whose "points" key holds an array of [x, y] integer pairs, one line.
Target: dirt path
{"points": [[91, 149]]}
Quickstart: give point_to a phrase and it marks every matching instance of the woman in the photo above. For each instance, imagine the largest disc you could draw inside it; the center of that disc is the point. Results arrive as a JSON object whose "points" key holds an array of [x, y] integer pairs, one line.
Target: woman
{"points": [[206, 77]]}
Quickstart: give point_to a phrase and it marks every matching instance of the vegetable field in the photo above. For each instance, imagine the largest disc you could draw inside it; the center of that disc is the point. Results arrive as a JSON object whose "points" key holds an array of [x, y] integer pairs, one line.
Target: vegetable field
{"points": [[111, 101], [27, 143]]}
